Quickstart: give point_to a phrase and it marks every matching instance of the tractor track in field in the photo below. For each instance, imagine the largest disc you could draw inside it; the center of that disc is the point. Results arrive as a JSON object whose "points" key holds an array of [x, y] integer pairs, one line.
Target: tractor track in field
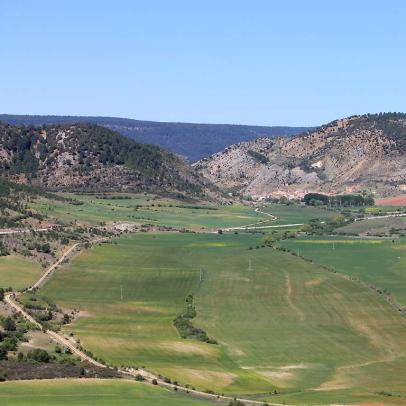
{"points": [[288, 297]]}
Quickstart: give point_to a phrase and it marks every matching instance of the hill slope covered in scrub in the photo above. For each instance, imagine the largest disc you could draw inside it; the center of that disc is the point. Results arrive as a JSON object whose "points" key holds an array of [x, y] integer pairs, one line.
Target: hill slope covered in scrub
{"points": [[87, 157], [357, 154]]}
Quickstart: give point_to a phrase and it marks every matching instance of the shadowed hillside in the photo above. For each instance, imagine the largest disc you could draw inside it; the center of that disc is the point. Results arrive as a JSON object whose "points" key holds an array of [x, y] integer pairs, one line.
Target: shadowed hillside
{"points": [[193, 141]]}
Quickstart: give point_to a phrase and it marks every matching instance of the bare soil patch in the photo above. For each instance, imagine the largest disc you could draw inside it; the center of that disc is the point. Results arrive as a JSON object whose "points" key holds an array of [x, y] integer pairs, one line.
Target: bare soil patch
{"points": [[392, 201], [13, 370]]}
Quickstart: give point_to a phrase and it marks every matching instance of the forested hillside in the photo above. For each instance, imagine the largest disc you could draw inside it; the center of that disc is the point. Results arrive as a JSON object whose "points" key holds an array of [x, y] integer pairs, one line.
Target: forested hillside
{"points": [[90, 157], [13, 204], [193, 141]]}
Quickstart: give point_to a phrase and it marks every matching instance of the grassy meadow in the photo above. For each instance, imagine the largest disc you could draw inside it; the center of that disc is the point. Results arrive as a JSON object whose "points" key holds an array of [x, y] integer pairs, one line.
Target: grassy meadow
{"points": [[17, 272], [148, 210], [283, 324], [85, 392], [376, 226]]}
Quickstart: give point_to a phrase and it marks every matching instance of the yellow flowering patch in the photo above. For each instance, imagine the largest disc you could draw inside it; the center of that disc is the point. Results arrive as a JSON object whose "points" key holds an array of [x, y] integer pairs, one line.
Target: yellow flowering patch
{"points": [[339, 241]]}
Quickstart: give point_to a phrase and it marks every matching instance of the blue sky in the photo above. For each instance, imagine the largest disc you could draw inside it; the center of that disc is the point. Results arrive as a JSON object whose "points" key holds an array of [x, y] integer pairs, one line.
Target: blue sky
{"points": [[250, 62]]}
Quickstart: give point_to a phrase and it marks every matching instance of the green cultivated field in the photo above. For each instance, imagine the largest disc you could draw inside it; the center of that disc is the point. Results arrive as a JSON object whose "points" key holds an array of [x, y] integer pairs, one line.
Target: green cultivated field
{"points": [[85, 392], [374, 226], [379, 262], [284, 324], [295, 214], [147, 210], [17, 272], [384, 209]]}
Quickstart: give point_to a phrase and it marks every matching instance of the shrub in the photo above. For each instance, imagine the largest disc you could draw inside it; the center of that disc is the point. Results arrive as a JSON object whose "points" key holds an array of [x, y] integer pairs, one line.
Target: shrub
{"points": [[235, 402], [258, 156], [3, 353], [39, 355], [8, 324], [10, 344]]}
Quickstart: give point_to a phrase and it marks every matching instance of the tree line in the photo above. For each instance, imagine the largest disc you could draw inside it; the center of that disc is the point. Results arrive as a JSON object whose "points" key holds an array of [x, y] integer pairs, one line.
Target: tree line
{"points": [[348, 200]]}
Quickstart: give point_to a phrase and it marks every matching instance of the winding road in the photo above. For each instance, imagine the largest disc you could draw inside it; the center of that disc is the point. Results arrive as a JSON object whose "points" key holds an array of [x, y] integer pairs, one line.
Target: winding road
{"points": [[10, 299], [256, 226]]}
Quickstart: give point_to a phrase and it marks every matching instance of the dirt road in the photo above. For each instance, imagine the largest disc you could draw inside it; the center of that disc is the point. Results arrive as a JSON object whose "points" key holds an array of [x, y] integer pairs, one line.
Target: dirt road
{"points": [[53, 267], [10, 299], [256, 226]]}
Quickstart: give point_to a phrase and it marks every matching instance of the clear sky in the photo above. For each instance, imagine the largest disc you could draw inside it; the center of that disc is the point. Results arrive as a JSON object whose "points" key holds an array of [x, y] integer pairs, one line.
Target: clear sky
{"points": [[285, 62]]}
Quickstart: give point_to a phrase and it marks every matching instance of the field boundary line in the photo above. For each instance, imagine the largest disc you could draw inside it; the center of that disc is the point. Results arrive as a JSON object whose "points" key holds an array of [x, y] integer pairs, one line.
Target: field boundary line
{"points": [[380, 292]]}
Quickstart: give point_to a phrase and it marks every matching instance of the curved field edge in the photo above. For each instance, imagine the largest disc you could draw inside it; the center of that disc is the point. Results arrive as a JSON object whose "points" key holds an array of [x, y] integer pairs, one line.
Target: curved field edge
{"points": [[81, 392], [380, 262], [282, 324]]}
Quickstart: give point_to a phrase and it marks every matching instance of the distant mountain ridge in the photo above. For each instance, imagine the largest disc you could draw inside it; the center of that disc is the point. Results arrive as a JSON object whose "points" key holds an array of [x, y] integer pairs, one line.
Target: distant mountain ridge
{"points": [[87, 157], [193, 141], [356, 154]]}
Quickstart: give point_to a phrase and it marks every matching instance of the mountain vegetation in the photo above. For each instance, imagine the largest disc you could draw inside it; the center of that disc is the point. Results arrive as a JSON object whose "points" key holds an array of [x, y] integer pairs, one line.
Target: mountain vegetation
{"points": [[348, 200], [14, 210], [193, 141], [360, 154], [88, 157]]}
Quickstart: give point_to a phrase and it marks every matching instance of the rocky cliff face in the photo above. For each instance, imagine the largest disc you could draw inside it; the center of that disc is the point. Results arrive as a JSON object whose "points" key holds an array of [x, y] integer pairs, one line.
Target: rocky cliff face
{"points": [[360, 153]]}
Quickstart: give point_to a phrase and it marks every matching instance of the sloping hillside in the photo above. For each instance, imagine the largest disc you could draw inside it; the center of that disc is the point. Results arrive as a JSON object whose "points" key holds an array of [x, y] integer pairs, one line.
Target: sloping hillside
{"points": [[14, 209], [360, 153], [193, 141], [91, 158]]}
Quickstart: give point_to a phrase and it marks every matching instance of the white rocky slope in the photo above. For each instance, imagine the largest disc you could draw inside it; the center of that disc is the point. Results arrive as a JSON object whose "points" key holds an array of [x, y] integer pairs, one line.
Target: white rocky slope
{"points": [[362, 153]]}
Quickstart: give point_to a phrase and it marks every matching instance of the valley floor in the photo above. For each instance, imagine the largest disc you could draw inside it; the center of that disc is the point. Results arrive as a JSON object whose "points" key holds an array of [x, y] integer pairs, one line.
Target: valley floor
{"points": [[284, 324], [81, 392], [294, 329]]}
